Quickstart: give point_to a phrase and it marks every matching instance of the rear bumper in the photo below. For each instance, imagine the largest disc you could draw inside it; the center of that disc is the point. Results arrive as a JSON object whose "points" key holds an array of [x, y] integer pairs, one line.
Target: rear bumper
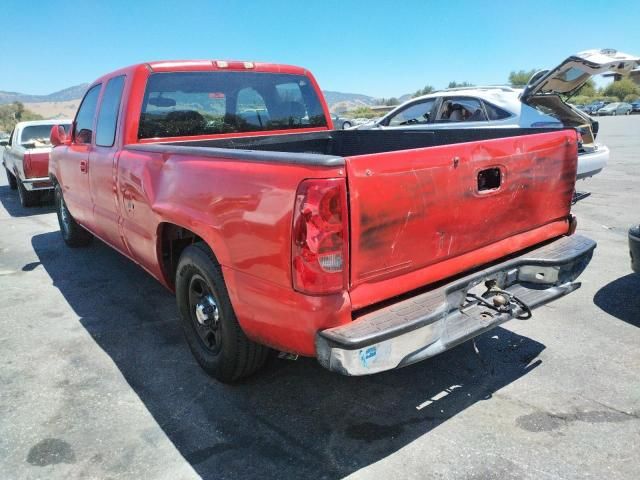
{"points": [[634, 248], [430, 323], [37, 183], [592, 163]]}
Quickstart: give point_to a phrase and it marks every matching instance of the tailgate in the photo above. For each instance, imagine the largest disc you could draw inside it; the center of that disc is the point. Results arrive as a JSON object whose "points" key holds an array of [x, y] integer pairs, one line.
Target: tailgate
{"points": [[421, 215], [36, 163]]}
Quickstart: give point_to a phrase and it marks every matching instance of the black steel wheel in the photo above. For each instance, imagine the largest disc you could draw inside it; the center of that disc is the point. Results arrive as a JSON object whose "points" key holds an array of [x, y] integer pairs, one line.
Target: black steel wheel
{"points": [[27, 198], [13, 184], [208, 321], [72, 233]]}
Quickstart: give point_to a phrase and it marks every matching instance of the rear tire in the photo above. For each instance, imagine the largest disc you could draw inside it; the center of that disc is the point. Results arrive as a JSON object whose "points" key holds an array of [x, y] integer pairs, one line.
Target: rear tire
{"points": [[209, 323], [346, 125], [72, 233], [27, 198], [13, 184]]}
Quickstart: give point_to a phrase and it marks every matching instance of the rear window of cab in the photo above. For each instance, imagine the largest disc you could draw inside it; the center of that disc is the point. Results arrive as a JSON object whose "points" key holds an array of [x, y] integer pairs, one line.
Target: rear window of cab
{"points": [[178, 104]]}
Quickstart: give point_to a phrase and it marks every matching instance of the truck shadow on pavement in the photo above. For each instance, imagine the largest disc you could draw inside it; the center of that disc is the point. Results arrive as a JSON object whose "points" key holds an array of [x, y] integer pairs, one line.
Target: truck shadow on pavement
{"points": [[11, 203], [292, 420], [621, 298]]}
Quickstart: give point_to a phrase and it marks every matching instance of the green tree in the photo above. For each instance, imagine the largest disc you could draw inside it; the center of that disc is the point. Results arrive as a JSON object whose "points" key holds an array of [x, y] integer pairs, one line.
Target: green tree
{"points": [[13, 113], [423, 91], [588, 89], [621, 89], [455, 84], [521, 77]]}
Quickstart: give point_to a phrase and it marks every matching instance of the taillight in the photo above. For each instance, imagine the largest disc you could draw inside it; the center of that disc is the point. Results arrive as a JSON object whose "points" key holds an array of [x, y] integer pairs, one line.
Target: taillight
{"points": [[27, 164], [320, 245]]}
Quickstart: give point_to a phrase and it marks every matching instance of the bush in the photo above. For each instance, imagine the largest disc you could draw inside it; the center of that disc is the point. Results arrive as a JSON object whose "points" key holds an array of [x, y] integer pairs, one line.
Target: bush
{"points": [[581, 100], [362, 112], [521, 77], [631, 98], [621, 89], [13, 113]]}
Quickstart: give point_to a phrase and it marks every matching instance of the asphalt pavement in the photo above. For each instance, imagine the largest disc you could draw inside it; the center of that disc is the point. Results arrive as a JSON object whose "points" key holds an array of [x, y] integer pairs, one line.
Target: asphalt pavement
{"points": [[97, 382]]}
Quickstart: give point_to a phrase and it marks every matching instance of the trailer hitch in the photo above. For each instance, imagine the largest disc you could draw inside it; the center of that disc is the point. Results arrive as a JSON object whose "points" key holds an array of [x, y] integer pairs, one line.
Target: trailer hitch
{"points": [[501, 301]]}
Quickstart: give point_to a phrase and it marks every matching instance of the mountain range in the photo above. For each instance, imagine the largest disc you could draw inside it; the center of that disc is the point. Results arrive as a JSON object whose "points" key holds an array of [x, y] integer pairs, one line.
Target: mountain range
{"points": [[338, 101], [72, 93]]}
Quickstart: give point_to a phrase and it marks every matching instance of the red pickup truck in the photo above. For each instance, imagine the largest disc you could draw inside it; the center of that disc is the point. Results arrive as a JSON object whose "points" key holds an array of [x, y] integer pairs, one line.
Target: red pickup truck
{"points": [[369, 250]]}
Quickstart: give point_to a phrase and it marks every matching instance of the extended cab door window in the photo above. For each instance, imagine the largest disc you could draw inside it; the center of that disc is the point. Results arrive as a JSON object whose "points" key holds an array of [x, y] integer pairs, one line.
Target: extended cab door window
{"points": [[109, 109], [461, 109], [83, 131], [416, 114]]}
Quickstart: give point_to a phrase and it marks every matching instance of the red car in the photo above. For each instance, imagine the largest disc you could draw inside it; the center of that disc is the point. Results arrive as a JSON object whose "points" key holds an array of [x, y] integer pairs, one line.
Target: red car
{"points": [[369, 250]]}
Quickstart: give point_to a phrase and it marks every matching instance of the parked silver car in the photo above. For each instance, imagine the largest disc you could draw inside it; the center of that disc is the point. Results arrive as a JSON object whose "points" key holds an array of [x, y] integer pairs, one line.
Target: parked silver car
{"points": [[539, 104], [615, 108], [340, 123]]}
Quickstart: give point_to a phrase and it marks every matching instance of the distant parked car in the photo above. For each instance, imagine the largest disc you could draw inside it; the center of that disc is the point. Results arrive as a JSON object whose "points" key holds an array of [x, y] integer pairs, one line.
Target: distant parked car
{"points": [[593, 107], [538, 105], [615, 108], [4, 141], [635, 107], [340, 123], [634, 248], [25, 156]]}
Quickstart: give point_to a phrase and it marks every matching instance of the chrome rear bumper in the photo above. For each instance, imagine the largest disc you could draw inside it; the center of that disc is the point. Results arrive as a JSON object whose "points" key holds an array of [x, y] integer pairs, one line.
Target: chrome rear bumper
{"points": [[429, 323], [37, 183]]}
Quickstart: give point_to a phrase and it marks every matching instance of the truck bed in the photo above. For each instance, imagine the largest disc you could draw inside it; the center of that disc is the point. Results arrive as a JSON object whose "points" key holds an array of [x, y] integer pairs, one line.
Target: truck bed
{"points": [[336, 143], [426, 205]]}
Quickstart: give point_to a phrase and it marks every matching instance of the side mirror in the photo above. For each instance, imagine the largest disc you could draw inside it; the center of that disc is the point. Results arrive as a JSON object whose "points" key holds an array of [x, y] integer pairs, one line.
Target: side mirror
{"points": [[58, 136], [4, 143]]}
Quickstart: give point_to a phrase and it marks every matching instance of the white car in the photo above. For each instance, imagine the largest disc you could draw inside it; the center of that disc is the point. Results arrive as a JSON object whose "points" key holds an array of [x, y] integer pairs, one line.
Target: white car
{"points": [[538, 105]]}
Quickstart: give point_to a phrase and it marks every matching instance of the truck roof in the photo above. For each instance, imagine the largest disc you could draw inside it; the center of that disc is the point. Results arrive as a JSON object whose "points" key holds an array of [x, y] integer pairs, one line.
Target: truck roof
{"points": [[200, 65]]}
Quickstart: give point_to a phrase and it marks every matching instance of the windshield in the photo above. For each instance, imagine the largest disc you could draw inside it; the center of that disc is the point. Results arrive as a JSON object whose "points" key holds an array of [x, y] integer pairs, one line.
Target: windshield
{"points": [[39, 134], [199, 103]]}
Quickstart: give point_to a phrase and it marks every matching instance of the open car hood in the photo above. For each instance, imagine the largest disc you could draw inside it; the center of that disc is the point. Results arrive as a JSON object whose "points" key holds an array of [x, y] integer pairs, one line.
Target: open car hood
{"points": [[574, 72]]}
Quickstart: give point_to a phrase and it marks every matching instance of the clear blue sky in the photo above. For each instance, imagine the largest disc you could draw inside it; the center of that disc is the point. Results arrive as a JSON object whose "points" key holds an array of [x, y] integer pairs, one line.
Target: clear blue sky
{"points": [[384, 48]]}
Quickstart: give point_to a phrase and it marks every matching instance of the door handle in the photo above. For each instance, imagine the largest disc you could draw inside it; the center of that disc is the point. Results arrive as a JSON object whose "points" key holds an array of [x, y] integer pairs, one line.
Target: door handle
{"points": [[84, 166]]}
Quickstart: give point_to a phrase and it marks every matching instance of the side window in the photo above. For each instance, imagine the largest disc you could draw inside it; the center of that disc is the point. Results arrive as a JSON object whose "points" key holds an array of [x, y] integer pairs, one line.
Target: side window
{"points": [[108, 115], [83, 132], [416, 114], [495, 113], [251, 108], [461, 109]]}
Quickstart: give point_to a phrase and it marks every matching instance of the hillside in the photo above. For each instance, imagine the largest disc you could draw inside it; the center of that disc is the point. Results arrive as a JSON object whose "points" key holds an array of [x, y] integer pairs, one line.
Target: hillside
{"points": [[63, 104], [71, 93], [65, 109]]}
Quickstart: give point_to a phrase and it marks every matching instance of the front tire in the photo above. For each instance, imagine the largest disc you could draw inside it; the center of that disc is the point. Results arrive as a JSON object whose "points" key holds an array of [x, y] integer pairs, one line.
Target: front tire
{"points": [[13, 184], [209, 323], [27, 198], [346, 125], [72, 233]]}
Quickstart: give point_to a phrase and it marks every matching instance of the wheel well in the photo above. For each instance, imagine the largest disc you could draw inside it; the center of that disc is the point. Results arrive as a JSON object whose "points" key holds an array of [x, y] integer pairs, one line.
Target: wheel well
{"points": [[172, 240]]}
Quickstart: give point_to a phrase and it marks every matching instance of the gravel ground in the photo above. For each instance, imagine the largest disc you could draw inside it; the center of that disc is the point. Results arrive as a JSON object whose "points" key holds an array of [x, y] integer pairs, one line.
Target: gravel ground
{"points": [[97, 382]]}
